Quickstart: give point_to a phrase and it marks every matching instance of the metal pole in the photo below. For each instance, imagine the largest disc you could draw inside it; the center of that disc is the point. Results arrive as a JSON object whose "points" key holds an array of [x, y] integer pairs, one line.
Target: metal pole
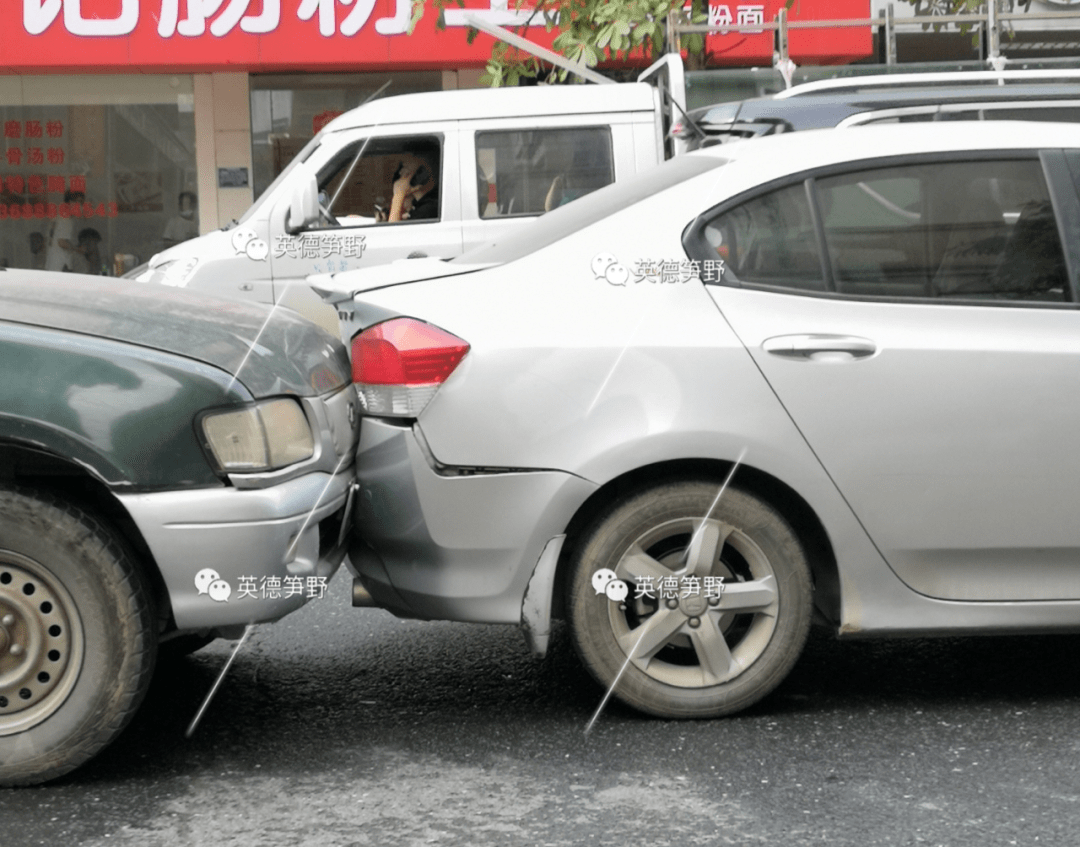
{"points": [[993, 28], [782, 35], [515, 40], [890, 36]]}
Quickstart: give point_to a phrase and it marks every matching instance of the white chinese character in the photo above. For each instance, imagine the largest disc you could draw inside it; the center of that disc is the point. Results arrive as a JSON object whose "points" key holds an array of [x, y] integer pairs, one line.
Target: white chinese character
{"points": [[714, 586], [669, 271], [720, 15], [498, 13], [310, 247], [643, 587], [330, 246], [246, 587], [646, 269], [282, 245], [352, 246], [399, 23], [668, 588], [327, 15], [750, 15], [691, 586], [316, 587], [293, 585], [200, 11], [271, 587], [266, 21], [38, 15]]}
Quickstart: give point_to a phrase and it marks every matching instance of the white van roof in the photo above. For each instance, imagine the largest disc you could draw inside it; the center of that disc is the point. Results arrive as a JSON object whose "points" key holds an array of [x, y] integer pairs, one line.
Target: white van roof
{"points": [[473, 103]]}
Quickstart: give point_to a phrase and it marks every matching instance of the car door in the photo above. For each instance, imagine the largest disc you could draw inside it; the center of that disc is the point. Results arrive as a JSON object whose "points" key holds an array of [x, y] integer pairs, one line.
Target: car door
{"points": [[355, 191], [918, 320]]}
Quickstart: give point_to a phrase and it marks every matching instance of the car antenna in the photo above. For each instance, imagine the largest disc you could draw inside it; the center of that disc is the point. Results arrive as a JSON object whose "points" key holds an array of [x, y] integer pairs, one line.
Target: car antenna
{"points": [[377, 92]]}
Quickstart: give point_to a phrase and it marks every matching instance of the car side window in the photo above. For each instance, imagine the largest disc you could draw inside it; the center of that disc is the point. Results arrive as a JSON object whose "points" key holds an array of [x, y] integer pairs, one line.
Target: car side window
{"points": [[769, 240], [982, 230], [356, 188], [534, 171]]}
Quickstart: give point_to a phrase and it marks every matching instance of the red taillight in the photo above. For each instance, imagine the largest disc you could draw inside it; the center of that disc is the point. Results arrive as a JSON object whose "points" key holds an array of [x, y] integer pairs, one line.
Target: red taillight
{"points": [[397, 365]]}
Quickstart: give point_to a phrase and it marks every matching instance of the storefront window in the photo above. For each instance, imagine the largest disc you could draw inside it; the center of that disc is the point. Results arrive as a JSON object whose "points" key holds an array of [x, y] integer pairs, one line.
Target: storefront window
{"points": [[93, 169], [288, 109]]}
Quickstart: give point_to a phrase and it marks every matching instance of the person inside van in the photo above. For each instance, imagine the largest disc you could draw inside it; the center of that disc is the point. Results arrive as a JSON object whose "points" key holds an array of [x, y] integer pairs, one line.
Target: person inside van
{"points": [[415, 192]]}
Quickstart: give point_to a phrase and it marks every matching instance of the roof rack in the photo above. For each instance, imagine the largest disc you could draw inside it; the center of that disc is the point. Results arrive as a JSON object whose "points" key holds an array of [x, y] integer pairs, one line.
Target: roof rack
{"points": [[961, 78]]}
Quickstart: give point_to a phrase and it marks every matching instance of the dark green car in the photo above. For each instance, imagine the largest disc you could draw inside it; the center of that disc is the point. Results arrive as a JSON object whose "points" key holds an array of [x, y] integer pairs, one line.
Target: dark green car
{"points": [[172, 468]]}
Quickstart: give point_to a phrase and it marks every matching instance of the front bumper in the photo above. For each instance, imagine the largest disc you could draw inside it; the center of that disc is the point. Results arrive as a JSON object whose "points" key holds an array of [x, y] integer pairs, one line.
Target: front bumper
{"points": [[451, 544], [274, 547]]}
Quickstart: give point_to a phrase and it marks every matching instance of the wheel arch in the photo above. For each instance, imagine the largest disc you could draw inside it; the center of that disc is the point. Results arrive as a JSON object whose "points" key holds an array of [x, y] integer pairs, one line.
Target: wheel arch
{"points": [[35, 468], [788, 502]]}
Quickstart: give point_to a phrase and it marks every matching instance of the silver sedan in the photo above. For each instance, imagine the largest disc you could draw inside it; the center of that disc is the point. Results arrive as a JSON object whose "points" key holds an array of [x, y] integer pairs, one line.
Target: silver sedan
{"points": [[830, 372]]}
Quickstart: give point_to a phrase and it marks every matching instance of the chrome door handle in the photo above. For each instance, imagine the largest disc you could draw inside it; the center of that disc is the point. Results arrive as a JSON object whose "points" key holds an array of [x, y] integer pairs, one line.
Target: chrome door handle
{"points": [[820, 347]]}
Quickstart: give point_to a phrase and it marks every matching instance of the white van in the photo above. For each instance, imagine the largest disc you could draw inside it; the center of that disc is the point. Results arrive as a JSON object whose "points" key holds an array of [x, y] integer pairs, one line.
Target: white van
{"points": [[494, 159]]}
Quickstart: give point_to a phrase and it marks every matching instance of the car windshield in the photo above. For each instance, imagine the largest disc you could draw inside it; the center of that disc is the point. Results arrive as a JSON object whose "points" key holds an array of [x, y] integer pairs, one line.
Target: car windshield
{"points": [[587, 210]]}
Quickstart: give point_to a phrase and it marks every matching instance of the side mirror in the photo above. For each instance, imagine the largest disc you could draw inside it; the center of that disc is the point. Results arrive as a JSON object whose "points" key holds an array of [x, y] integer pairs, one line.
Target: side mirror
{"points": [[303, 207]]}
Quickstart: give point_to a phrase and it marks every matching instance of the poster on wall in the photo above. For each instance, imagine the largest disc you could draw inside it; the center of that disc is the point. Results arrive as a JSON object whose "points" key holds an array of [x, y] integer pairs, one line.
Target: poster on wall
{"points": [[139, 191]]}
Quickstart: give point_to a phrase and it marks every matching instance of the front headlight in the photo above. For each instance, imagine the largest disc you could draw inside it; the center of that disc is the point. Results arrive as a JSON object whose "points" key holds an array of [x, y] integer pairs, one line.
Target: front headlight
{"points": [[261, 437]]}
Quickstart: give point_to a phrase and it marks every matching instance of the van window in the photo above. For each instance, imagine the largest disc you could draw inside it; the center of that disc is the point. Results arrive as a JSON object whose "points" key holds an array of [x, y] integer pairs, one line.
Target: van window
{"points": [[356, 187], [534, 171]]}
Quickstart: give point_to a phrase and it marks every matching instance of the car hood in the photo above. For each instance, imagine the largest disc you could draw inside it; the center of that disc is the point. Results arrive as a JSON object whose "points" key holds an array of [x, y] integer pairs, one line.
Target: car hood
{"points": [[269, 350]]}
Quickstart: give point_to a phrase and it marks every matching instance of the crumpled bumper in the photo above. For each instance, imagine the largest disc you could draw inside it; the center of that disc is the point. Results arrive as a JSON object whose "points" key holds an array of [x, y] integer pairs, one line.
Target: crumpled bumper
{"points": [[451, 545], [274, 548]]}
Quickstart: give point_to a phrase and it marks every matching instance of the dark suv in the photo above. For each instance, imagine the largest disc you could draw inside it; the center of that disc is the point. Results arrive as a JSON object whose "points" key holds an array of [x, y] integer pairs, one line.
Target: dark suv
{"points": [[1040, 95], [172, 468]]}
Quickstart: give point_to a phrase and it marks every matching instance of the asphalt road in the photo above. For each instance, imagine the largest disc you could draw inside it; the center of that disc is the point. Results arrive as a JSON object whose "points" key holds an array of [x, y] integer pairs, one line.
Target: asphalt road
{"points": [[349, 727]]}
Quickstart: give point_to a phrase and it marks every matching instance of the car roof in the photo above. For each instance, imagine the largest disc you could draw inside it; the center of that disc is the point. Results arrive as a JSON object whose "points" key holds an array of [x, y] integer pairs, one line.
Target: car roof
{"points": [[758, 160], [473, 103]]}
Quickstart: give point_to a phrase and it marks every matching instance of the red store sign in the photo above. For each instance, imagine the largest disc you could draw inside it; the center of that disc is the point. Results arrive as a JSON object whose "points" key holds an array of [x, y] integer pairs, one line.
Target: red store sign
{"points": [[207, 35]]}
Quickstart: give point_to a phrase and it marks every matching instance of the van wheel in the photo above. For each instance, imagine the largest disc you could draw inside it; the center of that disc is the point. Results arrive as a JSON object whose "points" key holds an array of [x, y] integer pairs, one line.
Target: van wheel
{"points": [[716, 609], [77, 639]]}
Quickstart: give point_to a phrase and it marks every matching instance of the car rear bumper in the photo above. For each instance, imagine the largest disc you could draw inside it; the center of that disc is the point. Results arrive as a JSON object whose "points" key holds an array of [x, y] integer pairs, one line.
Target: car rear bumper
{"points": [[451, 544], [275, 547]]}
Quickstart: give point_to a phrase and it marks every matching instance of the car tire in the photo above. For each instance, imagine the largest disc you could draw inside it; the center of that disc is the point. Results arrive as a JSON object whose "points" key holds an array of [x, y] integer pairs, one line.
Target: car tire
{"points": [[690, 656], [77, 636], [182, 646]]}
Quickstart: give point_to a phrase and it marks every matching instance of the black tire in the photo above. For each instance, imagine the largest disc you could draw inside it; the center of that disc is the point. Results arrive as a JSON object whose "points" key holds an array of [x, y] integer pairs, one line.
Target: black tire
{"points": [[75, 606], [182, 645], [697, 658]]}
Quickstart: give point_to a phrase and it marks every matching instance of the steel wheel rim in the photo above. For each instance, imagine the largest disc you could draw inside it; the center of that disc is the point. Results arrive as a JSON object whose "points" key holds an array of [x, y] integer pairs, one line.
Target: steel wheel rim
{"points": [[41, 643], [728, 637]]}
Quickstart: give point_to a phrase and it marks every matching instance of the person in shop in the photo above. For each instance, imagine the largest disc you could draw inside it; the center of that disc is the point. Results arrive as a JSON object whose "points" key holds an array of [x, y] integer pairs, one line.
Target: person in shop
{"points": [[61, 248], [184, 225], [37, 251], [90, 247]]}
